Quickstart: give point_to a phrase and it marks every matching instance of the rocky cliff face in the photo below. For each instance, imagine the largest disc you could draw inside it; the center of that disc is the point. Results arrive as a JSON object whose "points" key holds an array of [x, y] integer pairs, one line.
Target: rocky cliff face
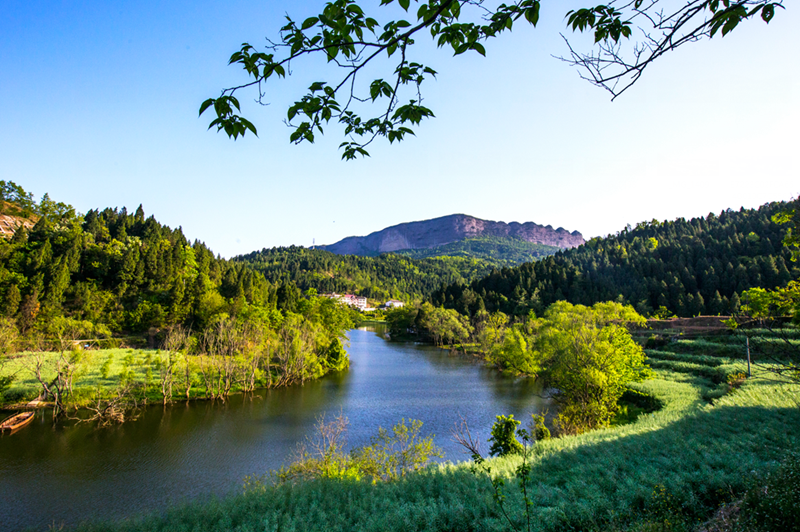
{"points": [[9, 224], [447, 229]]}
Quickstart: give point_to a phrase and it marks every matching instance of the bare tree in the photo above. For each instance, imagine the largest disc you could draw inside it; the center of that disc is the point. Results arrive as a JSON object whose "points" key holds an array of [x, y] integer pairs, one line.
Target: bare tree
{"points": [[187, 373], [319, 453], [118, 408], [251, 355], [175, 342], [461, 435], [52, 388], [222, 342], [615, 64], [65, 365]]}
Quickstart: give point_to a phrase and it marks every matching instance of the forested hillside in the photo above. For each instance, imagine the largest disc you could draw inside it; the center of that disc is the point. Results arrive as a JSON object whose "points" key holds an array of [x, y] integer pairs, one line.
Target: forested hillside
{"points": [[380, 278], [123, 270], [501, 251], [688, 267]]}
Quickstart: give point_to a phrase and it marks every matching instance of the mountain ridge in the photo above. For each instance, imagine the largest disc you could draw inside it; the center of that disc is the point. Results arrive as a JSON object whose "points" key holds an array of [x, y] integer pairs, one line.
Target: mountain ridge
{"points": [[435, 232]]}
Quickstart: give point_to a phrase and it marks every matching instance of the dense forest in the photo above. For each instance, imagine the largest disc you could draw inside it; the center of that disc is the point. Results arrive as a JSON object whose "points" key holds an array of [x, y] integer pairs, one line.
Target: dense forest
{"points": [[379, 278], [681, 267], [122, 270], [500, 251]]}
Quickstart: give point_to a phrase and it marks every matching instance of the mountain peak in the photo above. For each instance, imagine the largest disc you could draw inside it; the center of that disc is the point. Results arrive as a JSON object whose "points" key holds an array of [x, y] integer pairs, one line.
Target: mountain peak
{"points": [[436, 232]]}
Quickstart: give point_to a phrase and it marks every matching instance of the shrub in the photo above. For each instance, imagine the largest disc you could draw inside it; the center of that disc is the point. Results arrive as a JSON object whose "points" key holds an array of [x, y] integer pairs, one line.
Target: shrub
{"points": [[392, 455], [735, 380], [105, 369], [504, 441], [540, 431]]}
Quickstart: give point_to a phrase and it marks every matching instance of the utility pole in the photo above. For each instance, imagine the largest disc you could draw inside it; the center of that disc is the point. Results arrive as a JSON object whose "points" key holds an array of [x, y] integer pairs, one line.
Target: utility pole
{"points": [[747, 338]]}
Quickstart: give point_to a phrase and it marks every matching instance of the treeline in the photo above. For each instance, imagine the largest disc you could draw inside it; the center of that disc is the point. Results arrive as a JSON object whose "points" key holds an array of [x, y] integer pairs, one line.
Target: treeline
{"points": [[387, 276], [125, 271], [682, 267]]}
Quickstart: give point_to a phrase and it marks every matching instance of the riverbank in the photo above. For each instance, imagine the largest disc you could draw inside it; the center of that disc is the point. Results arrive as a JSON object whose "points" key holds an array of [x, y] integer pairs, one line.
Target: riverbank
{"points": [[200, 449], [100, 374], [669, 470]]}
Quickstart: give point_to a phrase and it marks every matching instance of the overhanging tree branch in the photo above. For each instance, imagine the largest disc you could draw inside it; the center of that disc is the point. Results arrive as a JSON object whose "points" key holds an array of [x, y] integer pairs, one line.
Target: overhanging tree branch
{"points": [[351, 40]]}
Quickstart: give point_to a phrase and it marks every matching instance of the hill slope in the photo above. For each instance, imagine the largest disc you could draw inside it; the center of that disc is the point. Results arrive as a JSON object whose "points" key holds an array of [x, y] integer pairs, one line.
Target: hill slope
{"points": [[448, 229], [690, 267], [380, 278], [498, 250]]}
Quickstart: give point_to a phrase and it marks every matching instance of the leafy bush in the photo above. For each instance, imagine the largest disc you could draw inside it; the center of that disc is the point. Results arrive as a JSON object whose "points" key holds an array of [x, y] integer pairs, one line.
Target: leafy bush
{"points": [[735, 380], [504, 441], [539, 431], [391, 455]]}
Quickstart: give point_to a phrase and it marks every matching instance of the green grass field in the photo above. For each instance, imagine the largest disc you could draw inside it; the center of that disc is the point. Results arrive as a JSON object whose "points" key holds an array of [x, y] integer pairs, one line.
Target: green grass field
{"points": [[89, 378], [669, 470]]}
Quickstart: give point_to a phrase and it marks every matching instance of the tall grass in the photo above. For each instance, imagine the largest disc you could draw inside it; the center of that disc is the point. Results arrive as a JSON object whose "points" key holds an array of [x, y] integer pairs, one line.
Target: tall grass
{"points": [[705, 360], [684, 459], [734, 348]]}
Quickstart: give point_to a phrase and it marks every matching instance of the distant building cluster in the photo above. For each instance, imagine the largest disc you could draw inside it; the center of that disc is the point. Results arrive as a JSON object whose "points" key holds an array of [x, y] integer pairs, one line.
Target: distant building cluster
{"points": [[360, 302]]}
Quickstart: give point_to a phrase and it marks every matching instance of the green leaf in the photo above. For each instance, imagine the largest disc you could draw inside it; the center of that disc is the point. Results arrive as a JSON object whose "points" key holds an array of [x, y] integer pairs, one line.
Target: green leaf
{"points": [[768, 12], [248, 125], [353, 8], [532, 14], [205, 105], [404, 4], [478, 47], [309, 22]]}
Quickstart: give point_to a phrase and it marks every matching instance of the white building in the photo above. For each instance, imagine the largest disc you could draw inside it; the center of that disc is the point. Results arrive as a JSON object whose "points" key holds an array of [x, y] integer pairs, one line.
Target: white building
{"points": [[393, 303], [360, 302]]}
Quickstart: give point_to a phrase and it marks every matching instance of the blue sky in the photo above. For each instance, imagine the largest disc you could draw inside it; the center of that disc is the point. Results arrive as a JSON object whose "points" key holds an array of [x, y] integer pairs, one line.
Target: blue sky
{"points": [[100, 110]]}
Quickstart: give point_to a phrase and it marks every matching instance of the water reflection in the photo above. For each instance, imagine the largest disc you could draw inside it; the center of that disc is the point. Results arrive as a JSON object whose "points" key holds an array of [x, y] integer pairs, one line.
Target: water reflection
{"points": [[192, 450]]}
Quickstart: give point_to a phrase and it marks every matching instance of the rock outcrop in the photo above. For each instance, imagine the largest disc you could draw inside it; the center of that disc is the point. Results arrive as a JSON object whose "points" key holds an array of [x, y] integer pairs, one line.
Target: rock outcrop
{"points": [[439, 231]]}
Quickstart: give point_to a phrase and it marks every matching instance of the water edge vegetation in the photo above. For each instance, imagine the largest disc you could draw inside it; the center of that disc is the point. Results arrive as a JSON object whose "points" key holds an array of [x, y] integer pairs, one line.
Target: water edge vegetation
{"points": [[709, 445]]}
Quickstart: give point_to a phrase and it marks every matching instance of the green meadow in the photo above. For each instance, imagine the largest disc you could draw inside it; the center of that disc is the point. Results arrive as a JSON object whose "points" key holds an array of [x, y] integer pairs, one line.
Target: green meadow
{"points": [[100, 371]]}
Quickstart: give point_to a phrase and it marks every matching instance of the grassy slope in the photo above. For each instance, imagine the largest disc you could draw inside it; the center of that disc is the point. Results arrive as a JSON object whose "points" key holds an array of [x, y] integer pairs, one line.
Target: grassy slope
{"points": [[681, 462]]}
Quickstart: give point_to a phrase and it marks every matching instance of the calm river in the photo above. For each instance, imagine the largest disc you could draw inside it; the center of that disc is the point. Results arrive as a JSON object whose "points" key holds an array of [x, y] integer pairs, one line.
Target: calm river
{"points": [[69, 473]]}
